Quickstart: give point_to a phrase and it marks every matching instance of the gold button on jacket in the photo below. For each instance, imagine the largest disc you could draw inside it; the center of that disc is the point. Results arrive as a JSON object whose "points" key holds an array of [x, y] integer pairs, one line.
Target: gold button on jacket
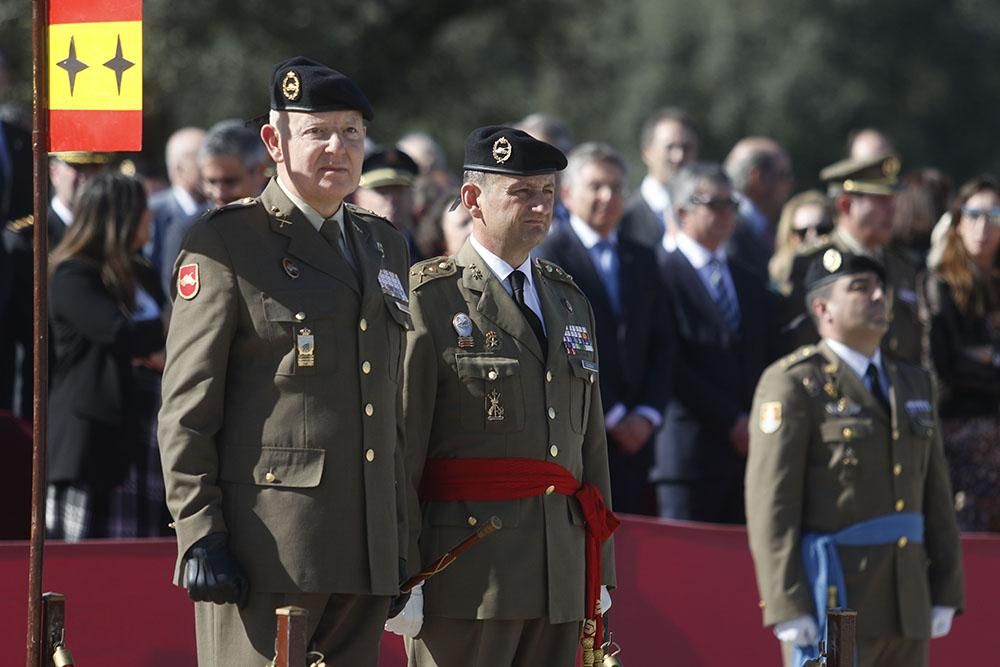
{"points": [[492, 400], [263, 447]]}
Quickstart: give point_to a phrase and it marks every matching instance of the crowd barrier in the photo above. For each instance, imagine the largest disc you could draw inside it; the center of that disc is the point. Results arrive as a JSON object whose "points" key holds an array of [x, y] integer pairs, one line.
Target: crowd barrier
{"points": [[686, 598]]}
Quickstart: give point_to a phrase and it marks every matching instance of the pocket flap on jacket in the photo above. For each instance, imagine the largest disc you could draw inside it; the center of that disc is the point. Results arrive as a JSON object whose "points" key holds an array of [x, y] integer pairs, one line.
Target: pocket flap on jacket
{"points": [[489, 368], [272, 466], [845, 430], [398, 312], [284, 306]]}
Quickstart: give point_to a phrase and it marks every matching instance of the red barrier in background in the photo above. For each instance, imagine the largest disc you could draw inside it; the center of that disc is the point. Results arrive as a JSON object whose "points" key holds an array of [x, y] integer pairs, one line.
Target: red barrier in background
{"points": [[686, 598]]}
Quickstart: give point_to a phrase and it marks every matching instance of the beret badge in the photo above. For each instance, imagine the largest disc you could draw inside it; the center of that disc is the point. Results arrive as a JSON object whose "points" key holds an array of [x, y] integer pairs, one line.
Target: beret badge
{"points": [[831, 260], [501, 150], [291, 86]]}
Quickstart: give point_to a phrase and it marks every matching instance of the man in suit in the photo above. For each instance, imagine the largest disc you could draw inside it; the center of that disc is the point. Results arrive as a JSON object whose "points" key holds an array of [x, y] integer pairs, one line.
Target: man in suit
{"points": [[721, 319], [281, 429], [233, 164], [68, 173], [669, 140], [848, 498], [761, 172], [863, 193], [504, 418], [184, 198], [634, 338]]}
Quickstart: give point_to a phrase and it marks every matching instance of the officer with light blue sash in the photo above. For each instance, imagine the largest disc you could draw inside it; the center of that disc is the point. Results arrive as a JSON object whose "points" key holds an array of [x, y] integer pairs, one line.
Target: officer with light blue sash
{"points": [[848, 498]]}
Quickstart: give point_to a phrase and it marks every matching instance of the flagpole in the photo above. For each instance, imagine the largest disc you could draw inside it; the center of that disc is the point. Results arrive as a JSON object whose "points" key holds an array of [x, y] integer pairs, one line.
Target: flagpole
{"points": [[40, 145]]}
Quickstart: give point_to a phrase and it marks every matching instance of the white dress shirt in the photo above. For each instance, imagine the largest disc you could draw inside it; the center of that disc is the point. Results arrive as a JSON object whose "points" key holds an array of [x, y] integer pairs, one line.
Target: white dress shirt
{"points": [[63, 211], [858, 363], [502, 270]]}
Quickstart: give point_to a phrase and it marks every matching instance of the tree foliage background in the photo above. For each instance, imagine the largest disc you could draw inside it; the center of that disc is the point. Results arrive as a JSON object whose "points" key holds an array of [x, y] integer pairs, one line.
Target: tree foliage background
{"points": [[804, 73]]}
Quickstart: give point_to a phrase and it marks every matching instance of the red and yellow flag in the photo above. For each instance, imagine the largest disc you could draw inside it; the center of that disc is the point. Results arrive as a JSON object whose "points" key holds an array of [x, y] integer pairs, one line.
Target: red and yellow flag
{"points": [[95, 75]]}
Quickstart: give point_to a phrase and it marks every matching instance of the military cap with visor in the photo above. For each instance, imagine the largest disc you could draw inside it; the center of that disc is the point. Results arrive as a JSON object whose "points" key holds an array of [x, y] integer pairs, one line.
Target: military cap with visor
{"points": [[834, 264], [873, 176], [387, 167], [81, 157], [504, 150], [301, 84]]}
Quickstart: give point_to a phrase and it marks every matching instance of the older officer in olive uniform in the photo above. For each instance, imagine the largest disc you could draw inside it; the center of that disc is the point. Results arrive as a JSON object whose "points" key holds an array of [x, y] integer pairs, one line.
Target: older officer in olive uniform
{"points": [[847, 477], [281, 425], [504, 418], [863, 192]]}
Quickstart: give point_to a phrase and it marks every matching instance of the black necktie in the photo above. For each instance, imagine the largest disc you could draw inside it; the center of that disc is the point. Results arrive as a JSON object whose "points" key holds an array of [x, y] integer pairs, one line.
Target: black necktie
{"points": [[331, 231], [876, 388], [517, 285]]}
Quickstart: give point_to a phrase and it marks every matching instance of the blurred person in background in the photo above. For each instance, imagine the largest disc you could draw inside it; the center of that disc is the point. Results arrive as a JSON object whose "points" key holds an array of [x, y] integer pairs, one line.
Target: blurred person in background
{"points": [[233, 164], [804, 218], [868, 143], [386, 189], [964, 299], [444, 228], [68, 173], [105, 321], [761, 172], [429, 156], [184, 199], [669, 140], [913, 218]]}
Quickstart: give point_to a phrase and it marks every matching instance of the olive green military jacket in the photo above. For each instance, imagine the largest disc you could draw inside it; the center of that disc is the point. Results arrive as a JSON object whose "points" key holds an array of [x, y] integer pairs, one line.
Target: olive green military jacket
{"points": [[297, 462], [534, 566], [825, 455], [904, 340]]}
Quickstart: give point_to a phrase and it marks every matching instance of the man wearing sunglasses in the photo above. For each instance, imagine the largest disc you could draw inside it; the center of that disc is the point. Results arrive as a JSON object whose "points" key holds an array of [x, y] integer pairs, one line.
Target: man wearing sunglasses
{"points": [[720, 312], [863, 193]]}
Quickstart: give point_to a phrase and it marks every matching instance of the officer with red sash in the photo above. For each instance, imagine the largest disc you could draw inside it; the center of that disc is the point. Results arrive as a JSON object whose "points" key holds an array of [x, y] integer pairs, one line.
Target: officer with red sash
{"points": [[503, 418]]}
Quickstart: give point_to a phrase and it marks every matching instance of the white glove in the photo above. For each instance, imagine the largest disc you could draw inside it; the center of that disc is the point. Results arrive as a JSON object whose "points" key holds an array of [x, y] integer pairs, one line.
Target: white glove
{"points": [[941, 618], [605, 600], [409, 621], [801, 631]]}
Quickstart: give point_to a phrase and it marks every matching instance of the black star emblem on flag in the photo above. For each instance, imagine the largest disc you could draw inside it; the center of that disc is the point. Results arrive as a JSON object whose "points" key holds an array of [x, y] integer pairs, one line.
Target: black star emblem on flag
{"points": [[73, 66]]}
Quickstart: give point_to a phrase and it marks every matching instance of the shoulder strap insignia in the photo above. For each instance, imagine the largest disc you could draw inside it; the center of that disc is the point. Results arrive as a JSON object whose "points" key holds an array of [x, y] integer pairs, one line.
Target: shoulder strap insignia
{"points": [[21, 223], [798, 356], [431, 269], [366, 213], [553, 270]]}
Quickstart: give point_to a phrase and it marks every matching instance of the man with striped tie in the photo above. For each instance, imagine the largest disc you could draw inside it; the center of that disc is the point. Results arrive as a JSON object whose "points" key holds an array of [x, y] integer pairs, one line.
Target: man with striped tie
{"points": [[720, 311]]}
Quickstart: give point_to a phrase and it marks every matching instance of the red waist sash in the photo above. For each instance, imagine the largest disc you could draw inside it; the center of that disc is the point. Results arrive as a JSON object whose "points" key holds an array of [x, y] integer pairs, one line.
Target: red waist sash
{"points": [[514, 479]]}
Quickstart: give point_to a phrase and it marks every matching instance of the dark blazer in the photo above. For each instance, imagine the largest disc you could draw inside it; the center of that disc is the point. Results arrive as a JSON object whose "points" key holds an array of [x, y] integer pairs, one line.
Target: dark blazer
{"points": [[167, 211], [89, 400], [748, 248], [715, 372], [969, 387], [636, 349], [640, 224]]}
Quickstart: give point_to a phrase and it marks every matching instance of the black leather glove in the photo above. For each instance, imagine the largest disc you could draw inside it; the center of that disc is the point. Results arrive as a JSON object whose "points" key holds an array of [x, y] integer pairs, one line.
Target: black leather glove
{"points": [[400, 600], [212, 573]]}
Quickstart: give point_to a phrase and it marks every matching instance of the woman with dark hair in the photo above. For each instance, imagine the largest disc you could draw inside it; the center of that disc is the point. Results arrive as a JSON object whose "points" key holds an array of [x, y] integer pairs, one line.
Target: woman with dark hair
{"points": [[964, 299], [107, 332]]}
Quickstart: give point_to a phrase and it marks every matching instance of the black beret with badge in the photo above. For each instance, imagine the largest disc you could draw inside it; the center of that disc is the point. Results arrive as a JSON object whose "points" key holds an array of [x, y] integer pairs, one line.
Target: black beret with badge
{"points": [[834, 264], [504, 150], [388, 167], [873, 176], [301, 84]]}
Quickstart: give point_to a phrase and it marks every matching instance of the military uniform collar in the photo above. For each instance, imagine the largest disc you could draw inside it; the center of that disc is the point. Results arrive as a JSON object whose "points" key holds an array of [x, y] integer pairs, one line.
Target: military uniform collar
{"points": [[855, 360], [500, 268], [853, 245], [312, 215]]}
